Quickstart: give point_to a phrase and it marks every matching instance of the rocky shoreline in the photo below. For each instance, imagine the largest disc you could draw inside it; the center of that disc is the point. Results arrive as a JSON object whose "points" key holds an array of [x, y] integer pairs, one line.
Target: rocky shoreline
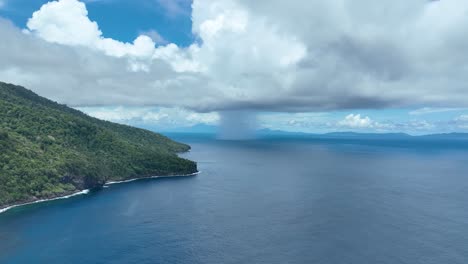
{"points": [[67, 195], [34, 201]]}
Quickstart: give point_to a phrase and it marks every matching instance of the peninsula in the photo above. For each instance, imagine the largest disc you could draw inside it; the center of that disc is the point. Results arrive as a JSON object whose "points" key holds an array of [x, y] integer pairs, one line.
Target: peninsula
{"points": [[49, 150]]}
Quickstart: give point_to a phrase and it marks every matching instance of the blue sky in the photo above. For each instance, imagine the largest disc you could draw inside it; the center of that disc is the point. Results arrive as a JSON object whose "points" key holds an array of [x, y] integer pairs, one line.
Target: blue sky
{"points": [[168, 64], [121, 19]]}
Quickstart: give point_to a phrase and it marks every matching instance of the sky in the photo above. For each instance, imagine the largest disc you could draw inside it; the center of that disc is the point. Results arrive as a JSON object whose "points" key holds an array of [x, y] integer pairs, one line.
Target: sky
{"points": [[322, 66]]}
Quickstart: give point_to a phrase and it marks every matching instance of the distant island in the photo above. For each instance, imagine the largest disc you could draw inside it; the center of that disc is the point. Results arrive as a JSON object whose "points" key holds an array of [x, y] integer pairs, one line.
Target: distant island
{"points": [[368, 136], [48, 150], [265, 133]]}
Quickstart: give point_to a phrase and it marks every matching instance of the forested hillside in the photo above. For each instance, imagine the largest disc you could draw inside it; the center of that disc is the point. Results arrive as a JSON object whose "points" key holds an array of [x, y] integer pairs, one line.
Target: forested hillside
{"points": [[48, 149]]}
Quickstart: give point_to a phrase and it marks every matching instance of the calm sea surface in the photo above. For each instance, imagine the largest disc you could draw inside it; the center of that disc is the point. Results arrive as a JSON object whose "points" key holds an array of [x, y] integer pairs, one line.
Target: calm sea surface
{"points": [[264, 201]]}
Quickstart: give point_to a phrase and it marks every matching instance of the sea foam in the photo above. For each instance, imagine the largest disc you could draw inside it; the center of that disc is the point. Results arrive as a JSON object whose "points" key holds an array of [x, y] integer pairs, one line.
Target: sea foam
{"points": [[45, 200], [87, 191], [151, 177]]}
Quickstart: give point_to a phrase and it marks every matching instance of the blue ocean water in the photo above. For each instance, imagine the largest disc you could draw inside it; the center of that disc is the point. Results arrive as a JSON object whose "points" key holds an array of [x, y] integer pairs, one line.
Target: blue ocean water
{"points": [[264, 201]]}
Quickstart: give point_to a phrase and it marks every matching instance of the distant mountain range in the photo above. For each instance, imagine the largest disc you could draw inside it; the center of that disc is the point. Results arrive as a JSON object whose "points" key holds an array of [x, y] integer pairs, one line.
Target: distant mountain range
{"points": [[211, 129], [356, 135], [269, 132]]}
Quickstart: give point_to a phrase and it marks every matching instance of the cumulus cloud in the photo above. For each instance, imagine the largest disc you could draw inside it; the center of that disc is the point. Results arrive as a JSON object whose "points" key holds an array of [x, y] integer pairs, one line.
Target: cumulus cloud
{"points": [[66, 22], [319, 55], [356, 121]]}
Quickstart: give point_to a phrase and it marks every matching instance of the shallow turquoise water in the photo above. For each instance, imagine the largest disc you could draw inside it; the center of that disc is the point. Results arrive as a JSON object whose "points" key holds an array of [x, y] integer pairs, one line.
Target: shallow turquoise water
{"points": [[264, 201]]}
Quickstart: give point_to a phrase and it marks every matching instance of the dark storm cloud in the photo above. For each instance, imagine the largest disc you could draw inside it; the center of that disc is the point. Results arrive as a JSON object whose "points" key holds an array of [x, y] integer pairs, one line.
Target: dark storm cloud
{"points": [[320, 55]]}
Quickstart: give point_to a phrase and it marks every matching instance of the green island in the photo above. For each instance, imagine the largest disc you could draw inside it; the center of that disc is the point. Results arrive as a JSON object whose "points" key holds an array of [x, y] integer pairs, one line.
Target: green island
{"points": [[48, 150]]}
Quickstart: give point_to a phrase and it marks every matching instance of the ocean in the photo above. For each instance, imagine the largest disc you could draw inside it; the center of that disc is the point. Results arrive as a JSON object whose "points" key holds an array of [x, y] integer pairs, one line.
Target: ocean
{"points": [[273, 200]]}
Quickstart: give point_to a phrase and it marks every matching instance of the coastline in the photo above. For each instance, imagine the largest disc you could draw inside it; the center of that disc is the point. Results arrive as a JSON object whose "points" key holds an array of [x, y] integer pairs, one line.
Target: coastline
{"points": [[44, 200], [84, 192], [151, 177]]}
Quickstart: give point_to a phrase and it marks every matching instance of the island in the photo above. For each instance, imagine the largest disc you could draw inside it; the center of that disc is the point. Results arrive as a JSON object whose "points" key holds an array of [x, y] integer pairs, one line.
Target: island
{"points": [[49, 150]]}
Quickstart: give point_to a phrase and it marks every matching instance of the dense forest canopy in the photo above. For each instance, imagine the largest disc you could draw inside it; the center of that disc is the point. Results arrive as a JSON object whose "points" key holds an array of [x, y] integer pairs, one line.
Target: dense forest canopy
{"points": [[48, 149]]}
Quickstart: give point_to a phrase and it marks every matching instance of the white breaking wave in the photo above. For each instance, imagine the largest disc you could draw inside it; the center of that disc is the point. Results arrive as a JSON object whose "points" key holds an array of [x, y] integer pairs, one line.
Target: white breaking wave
{"points": [[151, 177], [45, 200], [87, 191]]}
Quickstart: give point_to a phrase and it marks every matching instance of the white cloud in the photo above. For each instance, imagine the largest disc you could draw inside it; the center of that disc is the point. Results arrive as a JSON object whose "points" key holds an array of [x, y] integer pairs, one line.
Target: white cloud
{"points": [[161, 117], [461, 122], [179, 59], [155, 36], [66, 22], [355, 121], [166, 118], [317, 56], [462, 118]]}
